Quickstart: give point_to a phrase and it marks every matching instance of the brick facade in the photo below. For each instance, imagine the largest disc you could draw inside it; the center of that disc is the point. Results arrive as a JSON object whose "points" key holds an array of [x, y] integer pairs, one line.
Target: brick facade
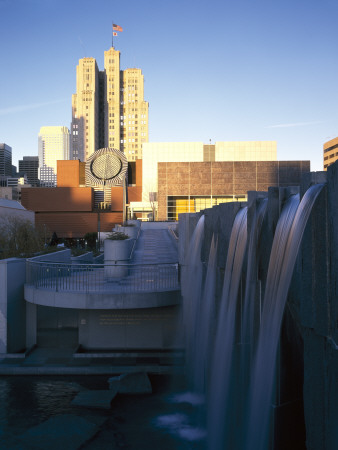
{"points": [[224, 178]]}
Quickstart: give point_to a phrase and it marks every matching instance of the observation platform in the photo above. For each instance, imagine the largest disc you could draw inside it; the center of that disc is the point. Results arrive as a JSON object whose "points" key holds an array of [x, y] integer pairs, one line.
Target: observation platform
{"points": [[151, 278]]}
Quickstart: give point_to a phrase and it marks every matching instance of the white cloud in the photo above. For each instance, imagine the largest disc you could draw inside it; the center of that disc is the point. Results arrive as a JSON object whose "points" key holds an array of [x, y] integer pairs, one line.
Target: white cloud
{"points": [[22, 108], [295, 124]]}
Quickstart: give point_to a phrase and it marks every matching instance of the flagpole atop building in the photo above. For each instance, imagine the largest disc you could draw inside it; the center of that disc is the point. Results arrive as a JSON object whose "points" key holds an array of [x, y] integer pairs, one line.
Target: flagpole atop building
{"points": [[115, 28]]}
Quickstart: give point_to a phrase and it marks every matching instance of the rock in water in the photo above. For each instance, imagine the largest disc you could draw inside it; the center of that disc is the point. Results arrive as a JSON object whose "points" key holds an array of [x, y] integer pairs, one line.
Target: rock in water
{"points": [[131, 383], [66, 432]]}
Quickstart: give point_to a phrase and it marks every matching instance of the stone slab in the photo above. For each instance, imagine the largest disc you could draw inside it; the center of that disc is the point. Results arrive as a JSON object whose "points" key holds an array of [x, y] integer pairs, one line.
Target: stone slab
{"points": [[66, 432], [131, 383], [96, 399]]}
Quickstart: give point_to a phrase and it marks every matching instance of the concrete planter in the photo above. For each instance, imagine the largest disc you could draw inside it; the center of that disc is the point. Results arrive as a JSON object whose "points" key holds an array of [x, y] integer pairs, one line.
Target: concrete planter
{"points": [[116, 252], [129, 231]]}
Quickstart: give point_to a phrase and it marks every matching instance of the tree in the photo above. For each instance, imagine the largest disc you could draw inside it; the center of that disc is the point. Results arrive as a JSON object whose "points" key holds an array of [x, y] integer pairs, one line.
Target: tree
{"points": [[91, 238], [19, 237]]}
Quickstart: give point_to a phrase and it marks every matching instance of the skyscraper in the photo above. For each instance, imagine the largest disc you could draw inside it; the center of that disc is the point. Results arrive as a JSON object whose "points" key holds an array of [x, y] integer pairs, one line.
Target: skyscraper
{"points": [[5, 160], [29, 165], [53, 146], [108, 109]]}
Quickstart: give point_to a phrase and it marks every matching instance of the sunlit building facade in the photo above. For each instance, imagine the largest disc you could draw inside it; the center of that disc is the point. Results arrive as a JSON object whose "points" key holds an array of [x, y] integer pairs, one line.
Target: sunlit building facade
{"points": [[156, 152], [53, 145], [330, 152], [179, 177], [108, 109]]}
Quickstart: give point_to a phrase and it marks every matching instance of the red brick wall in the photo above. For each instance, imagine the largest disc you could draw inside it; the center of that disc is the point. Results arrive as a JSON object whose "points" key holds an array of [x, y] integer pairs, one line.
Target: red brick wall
{"points": [[134, 194], [68, 173], [57, 199], [224, 178], [117, 198], [76, 225], [139, 172]]}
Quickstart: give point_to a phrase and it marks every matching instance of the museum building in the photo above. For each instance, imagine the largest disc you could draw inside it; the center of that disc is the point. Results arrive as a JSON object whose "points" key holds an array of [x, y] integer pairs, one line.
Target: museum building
{"points": [[172, 178]]}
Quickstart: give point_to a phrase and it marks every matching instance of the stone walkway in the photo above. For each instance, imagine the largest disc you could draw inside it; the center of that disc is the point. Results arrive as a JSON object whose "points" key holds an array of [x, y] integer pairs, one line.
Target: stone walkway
{"points": [[155, 247]]}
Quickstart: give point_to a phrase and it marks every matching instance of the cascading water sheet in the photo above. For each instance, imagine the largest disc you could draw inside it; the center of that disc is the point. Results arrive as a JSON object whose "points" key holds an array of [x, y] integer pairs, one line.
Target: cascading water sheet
{"points": [[192, 294], [205, 324], [219, 401], [288, 237], [247, 325]]}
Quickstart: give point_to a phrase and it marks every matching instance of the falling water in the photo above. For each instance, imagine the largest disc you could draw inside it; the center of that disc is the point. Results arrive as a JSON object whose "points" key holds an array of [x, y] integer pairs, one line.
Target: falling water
{"points": [[192, 294], [284, 252], [220, 396], [248, 325], [205, 321]]}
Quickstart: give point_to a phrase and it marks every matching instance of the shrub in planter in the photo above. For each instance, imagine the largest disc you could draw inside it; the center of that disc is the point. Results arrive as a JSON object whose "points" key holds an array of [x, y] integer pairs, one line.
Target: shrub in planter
{"points": [[117, 236]]}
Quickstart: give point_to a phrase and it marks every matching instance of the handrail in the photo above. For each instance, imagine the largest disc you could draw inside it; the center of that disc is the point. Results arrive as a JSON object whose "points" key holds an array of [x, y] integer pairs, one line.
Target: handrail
{"points": [[129, 278]]}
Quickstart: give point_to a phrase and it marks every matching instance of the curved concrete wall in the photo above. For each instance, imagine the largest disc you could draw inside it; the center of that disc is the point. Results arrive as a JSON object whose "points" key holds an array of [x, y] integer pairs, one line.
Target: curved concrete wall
{"points": [[101, 300]]}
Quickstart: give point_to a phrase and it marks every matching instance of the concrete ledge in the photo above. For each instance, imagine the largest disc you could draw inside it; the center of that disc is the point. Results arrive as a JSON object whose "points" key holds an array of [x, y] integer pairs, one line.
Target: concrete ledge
{"points": [[94, 370], [129, 354], [101, 300]]}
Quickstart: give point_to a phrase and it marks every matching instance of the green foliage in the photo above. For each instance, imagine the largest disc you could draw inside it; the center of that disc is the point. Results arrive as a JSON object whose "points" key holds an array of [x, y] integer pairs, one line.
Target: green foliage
{"points": [[78, 251], [91, 239], [117, 236], [19, 238]]}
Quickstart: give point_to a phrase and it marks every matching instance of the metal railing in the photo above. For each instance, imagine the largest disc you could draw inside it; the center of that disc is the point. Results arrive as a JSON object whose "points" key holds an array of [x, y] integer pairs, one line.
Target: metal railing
{"points": [[94, 278]]}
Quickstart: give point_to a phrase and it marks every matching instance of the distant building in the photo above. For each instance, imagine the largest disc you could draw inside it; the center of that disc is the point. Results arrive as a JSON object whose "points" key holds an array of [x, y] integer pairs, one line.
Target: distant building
{"points": [[89, 196], [10, 187], [5, 160], [29, 165], [108, 109], [7, 193], [179, 177], [330, 152], [53, 146]]}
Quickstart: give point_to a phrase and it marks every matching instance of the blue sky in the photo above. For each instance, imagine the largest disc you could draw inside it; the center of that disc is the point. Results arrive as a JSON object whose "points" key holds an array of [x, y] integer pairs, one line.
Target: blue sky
{"points": [[217, 69]]}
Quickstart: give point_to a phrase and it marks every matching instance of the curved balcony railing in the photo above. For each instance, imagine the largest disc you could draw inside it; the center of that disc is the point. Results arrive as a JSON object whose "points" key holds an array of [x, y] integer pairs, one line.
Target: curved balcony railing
{"points": [[114, 278]]}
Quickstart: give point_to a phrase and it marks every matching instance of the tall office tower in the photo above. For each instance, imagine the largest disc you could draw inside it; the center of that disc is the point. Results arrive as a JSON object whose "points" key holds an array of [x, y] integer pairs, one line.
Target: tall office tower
{"points": [[53, 146], [111, 99], [134, 129], [5, 160], [29, 165], [85, 110], [108, 109]]}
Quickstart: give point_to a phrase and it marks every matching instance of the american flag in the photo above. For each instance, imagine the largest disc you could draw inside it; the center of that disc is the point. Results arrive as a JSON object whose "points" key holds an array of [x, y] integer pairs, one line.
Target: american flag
{"points": [[117, 27]]}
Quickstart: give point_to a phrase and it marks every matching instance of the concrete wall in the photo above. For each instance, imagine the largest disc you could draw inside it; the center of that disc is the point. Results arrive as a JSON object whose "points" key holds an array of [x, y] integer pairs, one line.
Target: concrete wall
{"points": [[12, 305], [152, 328], [62, 256], [86, 258]]}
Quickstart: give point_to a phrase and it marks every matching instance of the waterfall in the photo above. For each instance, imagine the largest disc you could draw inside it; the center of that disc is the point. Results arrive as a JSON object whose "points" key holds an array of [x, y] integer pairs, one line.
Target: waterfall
{"points": [[220, 396], [238, 378], [287, 240], [205, 321], [248, 317], [192, 295]]}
